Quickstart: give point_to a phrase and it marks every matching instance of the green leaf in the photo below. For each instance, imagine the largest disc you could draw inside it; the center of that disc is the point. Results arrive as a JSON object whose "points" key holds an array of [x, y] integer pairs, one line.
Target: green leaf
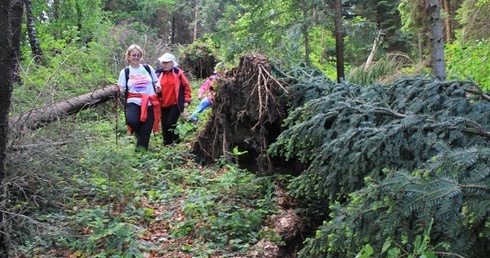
{"points": [[386, 245], [368, 249]]}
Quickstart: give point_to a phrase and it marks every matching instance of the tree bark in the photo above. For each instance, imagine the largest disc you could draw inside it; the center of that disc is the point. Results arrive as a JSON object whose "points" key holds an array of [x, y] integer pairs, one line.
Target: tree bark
{"points": [[437, 40], [6, 87], [339, 40], [196, 20], [172, 34], [447, 20], [16, 22], [305, 32], [37, 118], [31, 31], [376, 43]]}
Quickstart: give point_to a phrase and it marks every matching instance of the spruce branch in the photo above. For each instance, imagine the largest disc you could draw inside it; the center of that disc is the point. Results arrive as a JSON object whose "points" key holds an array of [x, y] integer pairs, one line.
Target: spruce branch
{"points": [[477, 90], [432, 136]]}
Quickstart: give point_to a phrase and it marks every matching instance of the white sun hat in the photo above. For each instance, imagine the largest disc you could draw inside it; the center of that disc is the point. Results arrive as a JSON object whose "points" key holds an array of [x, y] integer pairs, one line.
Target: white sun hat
{"points": [[167, 57]]}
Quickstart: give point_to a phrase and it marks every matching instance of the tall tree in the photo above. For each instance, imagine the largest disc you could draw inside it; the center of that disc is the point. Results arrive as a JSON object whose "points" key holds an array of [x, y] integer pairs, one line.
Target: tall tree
{"points": [[381, 16], [196, 19], [31, 31], [304, 29], [339, 40], [423, 18], [17, 14], [438, 62], [447, 20], [6, 66]]}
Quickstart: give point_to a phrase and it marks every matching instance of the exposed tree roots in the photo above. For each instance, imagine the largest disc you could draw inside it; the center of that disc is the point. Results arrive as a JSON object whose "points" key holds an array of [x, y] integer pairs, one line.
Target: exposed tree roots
{"points": [[246, 115]]}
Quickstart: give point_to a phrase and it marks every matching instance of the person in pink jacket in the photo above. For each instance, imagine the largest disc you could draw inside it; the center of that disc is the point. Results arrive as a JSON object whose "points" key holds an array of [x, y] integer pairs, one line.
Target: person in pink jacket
{"points": [[206, 92]]}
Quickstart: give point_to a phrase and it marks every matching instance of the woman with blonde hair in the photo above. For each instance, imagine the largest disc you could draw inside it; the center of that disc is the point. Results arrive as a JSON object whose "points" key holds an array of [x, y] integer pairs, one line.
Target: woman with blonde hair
{"points": [[139, 84]]}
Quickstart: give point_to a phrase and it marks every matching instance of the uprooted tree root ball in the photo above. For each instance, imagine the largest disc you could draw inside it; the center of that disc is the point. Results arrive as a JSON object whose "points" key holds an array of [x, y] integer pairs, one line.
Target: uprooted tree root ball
{"points": [[246, 115]]}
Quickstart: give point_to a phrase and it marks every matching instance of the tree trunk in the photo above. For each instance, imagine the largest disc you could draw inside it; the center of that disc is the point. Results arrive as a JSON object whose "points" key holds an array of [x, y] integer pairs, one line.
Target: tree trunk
{"points": [[376, 43], [172, 35], [437, 40], [339, 40], [37, 118], [79, 14], [16, 21], [305, 32], [196, 20], [6, 86], [55, 8], [31, 31], [447, 20], [419, 45]]}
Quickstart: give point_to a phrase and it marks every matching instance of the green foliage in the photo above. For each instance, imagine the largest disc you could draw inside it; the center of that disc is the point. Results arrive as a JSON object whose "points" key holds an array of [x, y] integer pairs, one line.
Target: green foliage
{"points": [[106, 236], [384, 70], [472, 17], [71, 69], [113, 197], [349, 133], [469, 61], [421, 248], [443, 201], [360, 36], [143, 11], [275, 28], [225, 210], [336, 127], [362, 25], [110, 174], [71, 186], [74, 72]]}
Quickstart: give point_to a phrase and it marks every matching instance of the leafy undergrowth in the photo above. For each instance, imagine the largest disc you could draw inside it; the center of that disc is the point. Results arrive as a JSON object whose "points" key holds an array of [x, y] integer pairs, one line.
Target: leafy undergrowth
{"points": [[158, 203]]}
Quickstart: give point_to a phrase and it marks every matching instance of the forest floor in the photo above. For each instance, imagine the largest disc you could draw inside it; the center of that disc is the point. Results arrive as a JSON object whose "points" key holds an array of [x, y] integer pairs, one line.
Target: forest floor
{"points": [[170, 206]]}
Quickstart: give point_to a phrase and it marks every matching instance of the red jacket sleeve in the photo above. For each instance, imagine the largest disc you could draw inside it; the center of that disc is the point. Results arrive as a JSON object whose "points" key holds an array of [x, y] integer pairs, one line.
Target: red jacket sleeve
{"points": [[187, 89]]}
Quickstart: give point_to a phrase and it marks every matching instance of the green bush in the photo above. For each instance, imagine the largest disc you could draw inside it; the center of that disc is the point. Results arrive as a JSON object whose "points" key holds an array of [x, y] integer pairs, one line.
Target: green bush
{"points": [[469, 61]]}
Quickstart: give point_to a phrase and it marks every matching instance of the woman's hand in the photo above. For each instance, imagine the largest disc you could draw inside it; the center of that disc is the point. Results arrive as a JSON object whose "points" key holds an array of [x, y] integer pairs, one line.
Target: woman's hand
{"points": [[157, 87]]}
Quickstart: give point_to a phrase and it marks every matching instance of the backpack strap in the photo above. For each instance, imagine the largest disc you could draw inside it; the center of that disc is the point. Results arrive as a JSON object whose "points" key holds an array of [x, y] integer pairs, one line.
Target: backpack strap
{"points": [[126, 72], [147, 67]]}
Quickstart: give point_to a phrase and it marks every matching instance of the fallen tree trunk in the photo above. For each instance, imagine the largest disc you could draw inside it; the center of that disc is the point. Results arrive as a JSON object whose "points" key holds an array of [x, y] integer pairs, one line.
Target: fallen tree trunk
{"points": [[36, 118]]}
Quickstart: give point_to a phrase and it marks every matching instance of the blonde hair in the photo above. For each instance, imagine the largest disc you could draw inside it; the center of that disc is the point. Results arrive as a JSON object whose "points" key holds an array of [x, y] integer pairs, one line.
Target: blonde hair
{"points": [[131, 49]]}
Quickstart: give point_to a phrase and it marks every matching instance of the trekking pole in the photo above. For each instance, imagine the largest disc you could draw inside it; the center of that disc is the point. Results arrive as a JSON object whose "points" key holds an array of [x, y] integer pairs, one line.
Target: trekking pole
{"points": [[116, 97]]}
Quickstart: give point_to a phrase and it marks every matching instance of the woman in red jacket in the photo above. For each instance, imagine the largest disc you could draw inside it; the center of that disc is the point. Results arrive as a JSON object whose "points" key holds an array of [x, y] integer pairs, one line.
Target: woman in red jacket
{"points": [[176, 95]]}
